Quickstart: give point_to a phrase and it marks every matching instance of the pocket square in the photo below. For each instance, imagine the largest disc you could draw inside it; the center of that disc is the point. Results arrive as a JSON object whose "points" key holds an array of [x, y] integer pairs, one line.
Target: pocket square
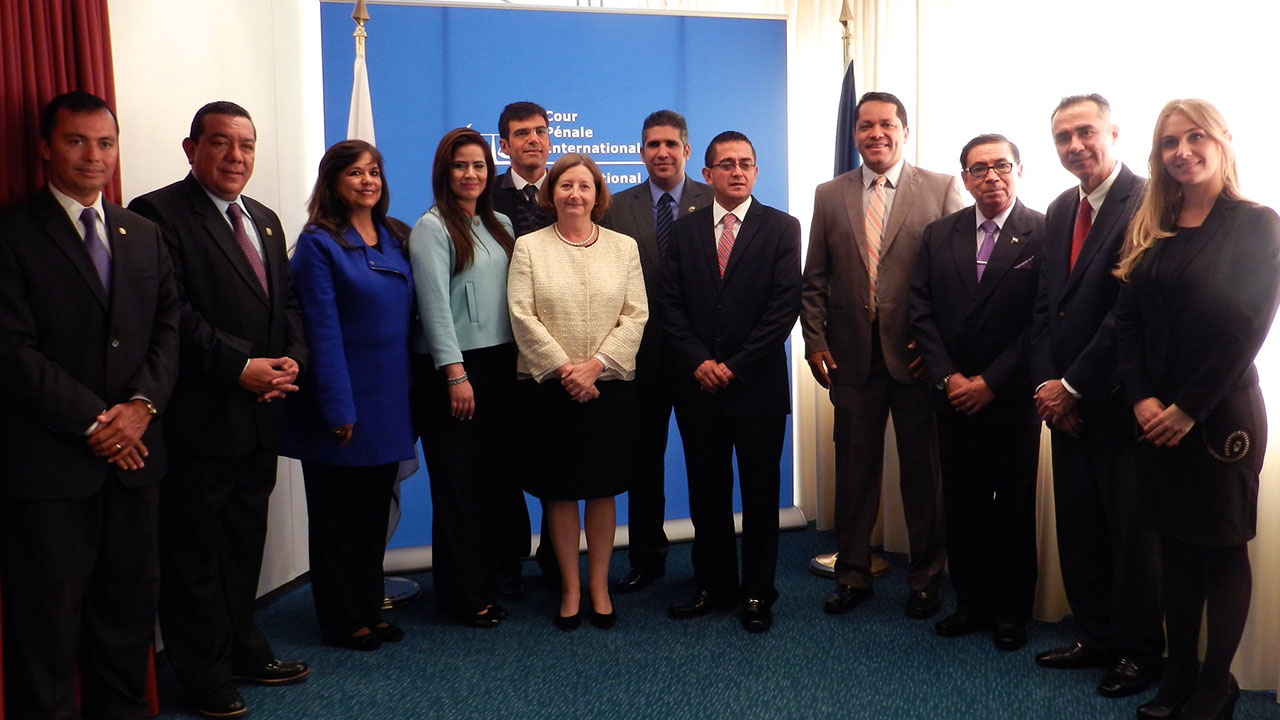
{"points": [[1027, 264]]}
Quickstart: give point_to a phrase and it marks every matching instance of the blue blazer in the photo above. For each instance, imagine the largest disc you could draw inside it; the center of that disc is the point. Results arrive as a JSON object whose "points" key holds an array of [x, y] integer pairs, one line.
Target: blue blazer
{"points": [[357, 311]]}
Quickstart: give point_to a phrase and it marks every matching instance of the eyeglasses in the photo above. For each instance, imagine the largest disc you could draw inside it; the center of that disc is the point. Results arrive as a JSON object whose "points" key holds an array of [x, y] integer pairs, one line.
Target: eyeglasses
{"points": [[523, 133], [980, 170], [729, 165]]}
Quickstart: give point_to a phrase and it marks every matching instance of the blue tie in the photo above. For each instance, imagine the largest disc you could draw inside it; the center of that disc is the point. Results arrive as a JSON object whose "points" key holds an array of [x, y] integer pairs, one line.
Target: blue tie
{"points": [[664, 222], [96, 248]]}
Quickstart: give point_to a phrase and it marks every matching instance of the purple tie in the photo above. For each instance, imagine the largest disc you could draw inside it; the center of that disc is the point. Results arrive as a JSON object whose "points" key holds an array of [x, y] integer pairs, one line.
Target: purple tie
{"points": [[988, 242], [96, 248], [246, 246]]}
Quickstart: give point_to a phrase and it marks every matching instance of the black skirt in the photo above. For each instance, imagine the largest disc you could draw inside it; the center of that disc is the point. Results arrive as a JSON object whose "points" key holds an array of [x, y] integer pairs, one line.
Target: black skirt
{"points": [[572, 451]]}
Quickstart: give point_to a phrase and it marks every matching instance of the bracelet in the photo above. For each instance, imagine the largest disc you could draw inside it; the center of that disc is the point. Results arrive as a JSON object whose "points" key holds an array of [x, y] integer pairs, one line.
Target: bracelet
{"points": [[456, 380]]}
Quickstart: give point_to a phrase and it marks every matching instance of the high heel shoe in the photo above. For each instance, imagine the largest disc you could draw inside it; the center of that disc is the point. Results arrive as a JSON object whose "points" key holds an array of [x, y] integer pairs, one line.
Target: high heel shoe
{"points": [[1223, 709], [603, 621], [569, 623]]}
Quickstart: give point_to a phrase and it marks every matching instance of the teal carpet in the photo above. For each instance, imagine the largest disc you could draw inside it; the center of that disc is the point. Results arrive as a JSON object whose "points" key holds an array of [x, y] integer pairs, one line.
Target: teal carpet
{"points": [[873, 663]]}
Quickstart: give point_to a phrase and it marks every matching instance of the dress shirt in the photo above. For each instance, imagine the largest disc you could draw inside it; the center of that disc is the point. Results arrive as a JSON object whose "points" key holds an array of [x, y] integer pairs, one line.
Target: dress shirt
{"points": [[718, 212], [890, 187], [250, 228], [676, 194], [1099, 193], [519, 182], [998, 219], [73, 209]]}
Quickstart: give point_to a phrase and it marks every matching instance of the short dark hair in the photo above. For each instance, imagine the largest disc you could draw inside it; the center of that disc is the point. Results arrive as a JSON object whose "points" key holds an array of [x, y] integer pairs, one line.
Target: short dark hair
{"points": [[666, 118], [76, 101], [1104, 107], [218, 107], [518, 111], [883, 97], [988, 139], [724, 137], [572, 160]]}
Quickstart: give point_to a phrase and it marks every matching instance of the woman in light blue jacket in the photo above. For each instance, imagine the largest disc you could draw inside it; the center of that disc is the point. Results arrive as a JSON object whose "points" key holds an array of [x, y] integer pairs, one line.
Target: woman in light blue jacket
{"points": [[464, 376], [350, 423]]}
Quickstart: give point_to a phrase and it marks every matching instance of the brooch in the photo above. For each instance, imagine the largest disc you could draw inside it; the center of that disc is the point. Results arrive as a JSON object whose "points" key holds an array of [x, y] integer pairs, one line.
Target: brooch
{"points": [[1234, 448]]}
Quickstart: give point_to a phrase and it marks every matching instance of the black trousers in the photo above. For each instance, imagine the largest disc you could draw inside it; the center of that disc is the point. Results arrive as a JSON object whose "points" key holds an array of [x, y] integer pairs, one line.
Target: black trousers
{"points": [[988, 493], [711, 439], [646, 495], [213, 524], [472, 470], [347, 535], [1110, 559], [80, 582]]}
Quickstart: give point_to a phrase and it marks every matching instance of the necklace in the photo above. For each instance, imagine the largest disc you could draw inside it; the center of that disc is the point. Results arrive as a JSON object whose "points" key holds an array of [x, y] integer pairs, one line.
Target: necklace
{"points": [[595, 230]]}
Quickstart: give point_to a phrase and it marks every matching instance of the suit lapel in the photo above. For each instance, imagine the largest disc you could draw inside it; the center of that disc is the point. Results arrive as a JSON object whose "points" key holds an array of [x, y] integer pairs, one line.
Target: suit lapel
{"points": [[1104, 226], [746, 233], [1011, 245], [272, 237], [857, 216], [641, 212], [220, 232], [58, 227], [964, 252], [904, 194]]}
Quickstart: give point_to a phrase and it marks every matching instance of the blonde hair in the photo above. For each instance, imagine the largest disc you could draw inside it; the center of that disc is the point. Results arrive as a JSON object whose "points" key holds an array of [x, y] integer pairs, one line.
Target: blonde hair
{"points": [[1158, 213]]}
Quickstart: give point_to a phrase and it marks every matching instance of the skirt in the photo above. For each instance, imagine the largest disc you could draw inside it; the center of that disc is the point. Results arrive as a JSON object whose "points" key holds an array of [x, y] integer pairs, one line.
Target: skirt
{"points": [[572, 451]]}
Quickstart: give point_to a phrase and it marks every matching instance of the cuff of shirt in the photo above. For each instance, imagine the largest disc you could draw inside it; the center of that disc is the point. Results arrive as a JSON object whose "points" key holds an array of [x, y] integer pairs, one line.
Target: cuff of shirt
{"points": [[1070, 389]]}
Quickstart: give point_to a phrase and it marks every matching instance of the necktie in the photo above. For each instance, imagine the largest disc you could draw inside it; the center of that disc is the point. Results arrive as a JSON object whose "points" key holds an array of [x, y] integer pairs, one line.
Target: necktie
{"points": [[97, 250], [1084, 221], [530, 192], [246, 246], [664, 223], [531, 216], [724, 245], [988, 242], [875, 233]]}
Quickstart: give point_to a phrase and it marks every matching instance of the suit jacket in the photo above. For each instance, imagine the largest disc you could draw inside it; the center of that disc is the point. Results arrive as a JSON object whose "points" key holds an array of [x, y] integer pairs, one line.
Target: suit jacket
{"points": [[68, 351], [631, 213], [971, 327], [742, 319], [226, 319], [1073, 334], [836, 289], [506, 202]]}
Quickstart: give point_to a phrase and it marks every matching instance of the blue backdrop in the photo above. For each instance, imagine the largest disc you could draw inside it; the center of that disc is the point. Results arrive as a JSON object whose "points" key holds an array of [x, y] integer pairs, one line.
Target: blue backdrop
{"points": [[432, 69]]}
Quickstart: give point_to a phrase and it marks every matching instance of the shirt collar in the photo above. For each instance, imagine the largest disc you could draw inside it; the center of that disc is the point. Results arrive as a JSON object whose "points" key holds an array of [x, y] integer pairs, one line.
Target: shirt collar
{"points": [[718, 212], [73, 208], [999, 219], [518, 180], [676, 192], [1100, 193], [222, 205], [892, 174]]}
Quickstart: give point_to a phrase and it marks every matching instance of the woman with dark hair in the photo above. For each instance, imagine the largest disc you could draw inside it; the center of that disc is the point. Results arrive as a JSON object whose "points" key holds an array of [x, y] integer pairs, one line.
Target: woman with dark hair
{"points": [[350, 423], [464, 376], [1201, 267], [578, 309]]}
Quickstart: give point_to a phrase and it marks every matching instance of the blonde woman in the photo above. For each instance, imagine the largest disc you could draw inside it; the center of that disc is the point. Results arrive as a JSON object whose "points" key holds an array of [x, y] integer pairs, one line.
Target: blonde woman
{"points": [[1201, 272]]}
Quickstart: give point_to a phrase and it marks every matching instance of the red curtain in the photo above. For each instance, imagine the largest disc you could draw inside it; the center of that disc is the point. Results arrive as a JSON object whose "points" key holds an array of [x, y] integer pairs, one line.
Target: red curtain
{"points": [[49, 47]]}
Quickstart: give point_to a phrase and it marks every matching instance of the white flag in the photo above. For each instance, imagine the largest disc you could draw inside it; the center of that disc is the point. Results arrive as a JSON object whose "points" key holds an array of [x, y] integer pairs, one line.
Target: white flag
{"points": [[360, 121]]}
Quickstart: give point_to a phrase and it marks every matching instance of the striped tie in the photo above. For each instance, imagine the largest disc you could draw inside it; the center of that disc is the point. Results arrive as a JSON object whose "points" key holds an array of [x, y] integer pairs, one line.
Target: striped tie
{"points": [[875, 232], [724, 245], [663, 223]]}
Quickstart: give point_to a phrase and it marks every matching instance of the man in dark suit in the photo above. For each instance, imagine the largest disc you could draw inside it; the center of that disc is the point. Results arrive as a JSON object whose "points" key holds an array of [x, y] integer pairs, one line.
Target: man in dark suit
{"points": [[242, 345], [89, 353], [647, 212], [866, 232], [1110, 561], [730, 296], [524, 137], [971, 302]]}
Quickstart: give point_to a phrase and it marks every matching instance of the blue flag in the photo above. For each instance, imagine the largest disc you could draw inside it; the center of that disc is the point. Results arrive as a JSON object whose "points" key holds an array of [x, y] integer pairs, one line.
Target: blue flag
{"points": [[846, 154]]}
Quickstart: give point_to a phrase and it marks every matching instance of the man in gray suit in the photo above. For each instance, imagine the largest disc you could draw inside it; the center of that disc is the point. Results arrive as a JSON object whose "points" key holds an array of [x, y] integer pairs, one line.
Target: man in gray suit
{"points": [[866, 232], [647, 212]]}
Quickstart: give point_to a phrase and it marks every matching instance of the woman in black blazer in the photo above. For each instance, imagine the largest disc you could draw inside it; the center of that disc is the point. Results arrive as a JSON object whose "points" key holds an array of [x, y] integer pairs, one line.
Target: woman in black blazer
{"points": [[1201, 267]]}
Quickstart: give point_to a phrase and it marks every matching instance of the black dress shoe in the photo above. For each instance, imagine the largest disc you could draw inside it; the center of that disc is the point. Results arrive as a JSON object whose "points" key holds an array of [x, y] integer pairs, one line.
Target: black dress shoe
{"points": [[756, 616], [388, 632], [1157, 709], [278, 672], [923, 604], [702, 602], [487, 619], [1009, 636], [364, 643], [604, 622], [1127, 678], [961, 622], [223, 701], [1222, 707], [569, 622], [1074, 657], [846, 598], [636, 579]]}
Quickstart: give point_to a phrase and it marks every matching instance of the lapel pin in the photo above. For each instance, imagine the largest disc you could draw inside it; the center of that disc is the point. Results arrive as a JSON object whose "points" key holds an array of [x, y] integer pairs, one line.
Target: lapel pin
{"points": [[122, 231], [1014, 240], [268, 231], [692, 208]]}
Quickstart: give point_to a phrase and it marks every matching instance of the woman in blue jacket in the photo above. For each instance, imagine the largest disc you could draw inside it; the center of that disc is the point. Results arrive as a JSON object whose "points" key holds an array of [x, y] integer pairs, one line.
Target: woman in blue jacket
{"points": [[465, 376], [350, 423]]}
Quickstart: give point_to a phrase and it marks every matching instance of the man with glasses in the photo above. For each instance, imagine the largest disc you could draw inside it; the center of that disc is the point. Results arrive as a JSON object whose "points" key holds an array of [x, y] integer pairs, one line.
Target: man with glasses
{"points": [[1110, 561], [971, 301], [731, 294], [647, 212], [866, 232]]}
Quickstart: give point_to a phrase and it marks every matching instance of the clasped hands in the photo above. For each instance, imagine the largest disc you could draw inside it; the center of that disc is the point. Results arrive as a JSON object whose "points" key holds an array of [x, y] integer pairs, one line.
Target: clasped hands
{"points": [[712, 376], [968, 394], [270, 378], [579, 380], [1057, 406], [1162, 426], [118, 435]]}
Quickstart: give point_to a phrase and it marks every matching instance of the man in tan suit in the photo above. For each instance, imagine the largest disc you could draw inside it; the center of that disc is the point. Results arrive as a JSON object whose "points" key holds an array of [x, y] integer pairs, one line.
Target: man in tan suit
{"points": [[867, 228]]}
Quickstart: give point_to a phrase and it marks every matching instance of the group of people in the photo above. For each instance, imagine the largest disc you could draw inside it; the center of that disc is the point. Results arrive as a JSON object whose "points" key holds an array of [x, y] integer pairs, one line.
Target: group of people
{"points": [[536, 333]]}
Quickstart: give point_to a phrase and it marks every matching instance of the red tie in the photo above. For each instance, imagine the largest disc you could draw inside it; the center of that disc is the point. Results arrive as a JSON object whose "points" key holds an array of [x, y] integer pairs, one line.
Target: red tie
{"points": [[724, 245], [247, 247], [1084, 221]]}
